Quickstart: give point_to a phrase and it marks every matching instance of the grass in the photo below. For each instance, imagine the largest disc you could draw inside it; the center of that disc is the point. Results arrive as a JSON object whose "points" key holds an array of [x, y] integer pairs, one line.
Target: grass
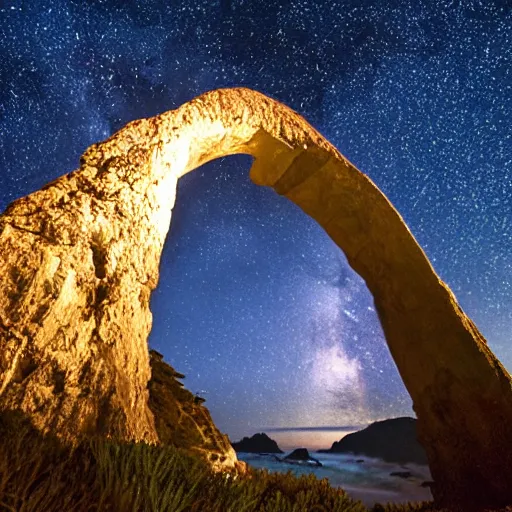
{"points": [[39, 474]]}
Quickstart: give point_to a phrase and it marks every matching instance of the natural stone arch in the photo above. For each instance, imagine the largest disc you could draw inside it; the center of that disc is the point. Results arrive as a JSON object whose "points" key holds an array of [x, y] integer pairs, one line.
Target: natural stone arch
{"points": [[79, 258]]}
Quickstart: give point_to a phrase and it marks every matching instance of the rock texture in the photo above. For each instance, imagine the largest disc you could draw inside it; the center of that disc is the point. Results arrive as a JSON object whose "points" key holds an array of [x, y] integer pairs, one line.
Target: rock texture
{"points": [[79, 258], [258, 443], [182, 420], [393, 440]]}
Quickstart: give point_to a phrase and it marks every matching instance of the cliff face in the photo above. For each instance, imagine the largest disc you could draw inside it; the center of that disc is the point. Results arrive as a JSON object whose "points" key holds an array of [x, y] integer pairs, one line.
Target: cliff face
{"points": [[393, 440], [79, 259], [182, 420]]}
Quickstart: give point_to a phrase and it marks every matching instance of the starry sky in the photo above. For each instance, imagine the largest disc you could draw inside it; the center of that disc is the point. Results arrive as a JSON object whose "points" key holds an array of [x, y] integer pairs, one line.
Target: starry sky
{"points": [[256, 305]]}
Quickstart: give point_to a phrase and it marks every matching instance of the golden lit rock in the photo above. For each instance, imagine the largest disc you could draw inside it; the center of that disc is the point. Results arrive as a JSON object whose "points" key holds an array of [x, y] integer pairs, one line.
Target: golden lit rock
{"points": [[79, 259]]}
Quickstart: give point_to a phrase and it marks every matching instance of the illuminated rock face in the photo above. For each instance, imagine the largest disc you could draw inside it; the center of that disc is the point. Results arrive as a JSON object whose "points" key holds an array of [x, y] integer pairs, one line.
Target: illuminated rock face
{"points": [[79, 258]]}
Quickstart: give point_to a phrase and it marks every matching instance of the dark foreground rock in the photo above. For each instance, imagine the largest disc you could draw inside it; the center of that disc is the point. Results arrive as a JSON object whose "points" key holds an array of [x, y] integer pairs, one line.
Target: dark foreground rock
{"points": [[258, 443], [392, 440]]}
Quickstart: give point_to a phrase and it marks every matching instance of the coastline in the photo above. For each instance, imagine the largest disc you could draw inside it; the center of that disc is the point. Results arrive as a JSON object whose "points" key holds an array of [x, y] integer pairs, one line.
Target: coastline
{"points": [[369, 481]]}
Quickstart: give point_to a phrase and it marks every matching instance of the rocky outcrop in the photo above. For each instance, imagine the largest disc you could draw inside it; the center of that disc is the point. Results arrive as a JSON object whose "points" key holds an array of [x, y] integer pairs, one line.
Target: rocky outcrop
{"points": [[301, 456], [182, 420], [79, 259], [393, 440], [258, 443]]}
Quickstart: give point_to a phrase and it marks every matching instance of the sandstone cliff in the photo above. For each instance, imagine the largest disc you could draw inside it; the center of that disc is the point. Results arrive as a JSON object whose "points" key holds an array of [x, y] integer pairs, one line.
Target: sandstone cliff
{"points": [[79, 259], [182, 420]]}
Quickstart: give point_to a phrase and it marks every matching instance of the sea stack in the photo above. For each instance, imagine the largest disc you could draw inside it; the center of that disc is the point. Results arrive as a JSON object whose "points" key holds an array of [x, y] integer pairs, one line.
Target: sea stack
{"points": [[258, 443]]}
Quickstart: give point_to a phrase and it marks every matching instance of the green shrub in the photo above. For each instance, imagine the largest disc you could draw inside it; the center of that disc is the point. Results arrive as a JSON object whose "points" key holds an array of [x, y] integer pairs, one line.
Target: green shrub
{"points": [[38, 474]]}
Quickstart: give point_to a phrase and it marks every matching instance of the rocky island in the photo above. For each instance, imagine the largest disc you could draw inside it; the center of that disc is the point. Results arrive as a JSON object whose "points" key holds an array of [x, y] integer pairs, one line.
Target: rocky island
{"points": [[300, 456], [258, 443]]}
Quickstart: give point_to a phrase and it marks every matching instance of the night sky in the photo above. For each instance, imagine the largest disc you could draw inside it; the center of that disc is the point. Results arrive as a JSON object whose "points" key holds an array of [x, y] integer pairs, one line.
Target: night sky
{"points": [[256, 305]]}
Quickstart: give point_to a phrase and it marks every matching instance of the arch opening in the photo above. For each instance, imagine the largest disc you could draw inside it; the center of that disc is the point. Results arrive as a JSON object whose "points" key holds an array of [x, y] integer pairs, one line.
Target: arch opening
{"points": [[260, 284]]}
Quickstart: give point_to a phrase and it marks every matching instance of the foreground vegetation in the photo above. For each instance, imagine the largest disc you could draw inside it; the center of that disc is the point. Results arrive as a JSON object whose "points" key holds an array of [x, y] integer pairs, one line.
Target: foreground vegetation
{"points": [[39, 474]]}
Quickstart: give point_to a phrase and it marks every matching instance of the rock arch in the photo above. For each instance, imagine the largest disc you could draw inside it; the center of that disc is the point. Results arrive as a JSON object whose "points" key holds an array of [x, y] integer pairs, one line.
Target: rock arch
{"points": [[79, 258]]}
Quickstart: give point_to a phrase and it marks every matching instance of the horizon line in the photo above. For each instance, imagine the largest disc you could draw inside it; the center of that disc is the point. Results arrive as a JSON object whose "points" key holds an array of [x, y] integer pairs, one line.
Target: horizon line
{"points": [[328, 428]]}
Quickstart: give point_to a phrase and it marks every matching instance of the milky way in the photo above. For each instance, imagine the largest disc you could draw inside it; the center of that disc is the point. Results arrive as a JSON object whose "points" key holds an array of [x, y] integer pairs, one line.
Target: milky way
{"points": [[256, 305]]}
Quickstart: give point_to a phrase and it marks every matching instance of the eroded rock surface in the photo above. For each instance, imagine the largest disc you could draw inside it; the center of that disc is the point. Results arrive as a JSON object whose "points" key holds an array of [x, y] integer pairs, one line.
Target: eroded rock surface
{"points": [[79, 259]]}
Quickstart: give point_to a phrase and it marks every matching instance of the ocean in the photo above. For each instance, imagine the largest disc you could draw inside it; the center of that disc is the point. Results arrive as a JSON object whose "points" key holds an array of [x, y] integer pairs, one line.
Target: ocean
{"points": [[363, 478]]}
